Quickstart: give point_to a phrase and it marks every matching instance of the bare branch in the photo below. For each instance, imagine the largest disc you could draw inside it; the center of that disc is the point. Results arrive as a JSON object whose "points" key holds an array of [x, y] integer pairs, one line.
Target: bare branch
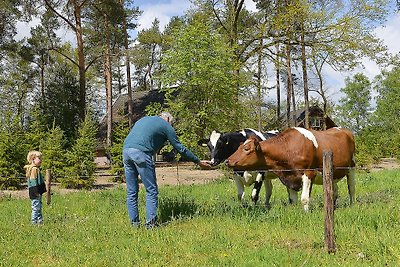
{"points": [[61, 16], [92, 62], [64, 55], [218, 18]]}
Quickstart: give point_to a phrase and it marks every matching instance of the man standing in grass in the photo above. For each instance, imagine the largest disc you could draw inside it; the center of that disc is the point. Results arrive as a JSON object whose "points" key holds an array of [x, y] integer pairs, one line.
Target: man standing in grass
{"points": [[146, 137]]}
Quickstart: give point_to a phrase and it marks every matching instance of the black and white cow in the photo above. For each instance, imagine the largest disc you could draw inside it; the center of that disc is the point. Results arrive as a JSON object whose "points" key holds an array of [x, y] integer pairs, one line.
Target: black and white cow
{"points": [[223, 145]]}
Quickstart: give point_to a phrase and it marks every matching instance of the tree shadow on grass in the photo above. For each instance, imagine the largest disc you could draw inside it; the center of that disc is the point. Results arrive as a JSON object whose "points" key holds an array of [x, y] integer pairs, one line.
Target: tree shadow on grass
{"points": [[185, 207], [172, 208]]}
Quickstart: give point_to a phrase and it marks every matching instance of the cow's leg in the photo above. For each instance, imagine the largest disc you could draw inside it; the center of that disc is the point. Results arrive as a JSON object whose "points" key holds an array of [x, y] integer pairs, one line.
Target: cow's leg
{"points": [[351, 185], [239, 185], [255, 193], [305, 192], [268, 192], [310, 189], [292, 195]]}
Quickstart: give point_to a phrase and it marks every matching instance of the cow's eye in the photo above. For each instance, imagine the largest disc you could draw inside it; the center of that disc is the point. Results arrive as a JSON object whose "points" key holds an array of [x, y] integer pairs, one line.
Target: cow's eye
{"points": [[247, 149]]}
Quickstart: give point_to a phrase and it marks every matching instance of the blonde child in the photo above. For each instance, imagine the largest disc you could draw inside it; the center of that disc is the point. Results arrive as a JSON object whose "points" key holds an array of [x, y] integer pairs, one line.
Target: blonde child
{"points": [[36, 185]]}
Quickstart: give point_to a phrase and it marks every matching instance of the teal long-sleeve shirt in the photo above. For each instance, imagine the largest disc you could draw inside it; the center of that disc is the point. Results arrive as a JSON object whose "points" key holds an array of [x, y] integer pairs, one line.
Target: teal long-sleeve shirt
{"points": [[149, 135]]}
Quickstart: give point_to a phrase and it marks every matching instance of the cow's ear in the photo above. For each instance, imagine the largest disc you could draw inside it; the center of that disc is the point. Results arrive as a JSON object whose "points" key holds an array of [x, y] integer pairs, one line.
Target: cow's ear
{"points": [[257, 145]]}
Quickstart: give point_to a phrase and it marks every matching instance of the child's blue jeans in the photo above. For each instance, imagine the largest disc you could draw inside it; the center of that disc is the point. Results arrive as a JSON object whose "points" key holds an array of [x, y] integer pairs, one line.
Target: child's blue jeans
{"points": [[37, 217], [138, 163]]}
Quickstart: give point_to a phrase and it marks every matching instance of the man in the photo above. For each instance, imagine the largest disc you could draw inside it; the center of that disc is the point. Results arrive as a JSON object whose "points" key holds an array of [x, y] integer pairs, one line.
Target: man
{"points": [[146, 137]]}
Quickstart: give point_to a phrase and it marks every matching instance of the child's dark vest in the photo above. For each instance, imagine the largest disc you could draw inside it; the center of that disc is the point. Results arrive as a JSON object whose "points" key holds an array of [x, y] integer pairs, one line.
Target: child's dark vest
{"points": [[36, 186]]}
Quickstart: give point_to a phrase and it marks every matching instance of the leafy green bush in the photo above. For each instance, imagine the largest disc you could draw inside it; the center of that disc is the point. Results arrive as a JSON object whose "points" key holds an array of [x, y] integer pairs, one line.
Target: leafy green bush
{"points": [[53, 152], [13, 150], [80, 159], [117, 166], [364, 156]]}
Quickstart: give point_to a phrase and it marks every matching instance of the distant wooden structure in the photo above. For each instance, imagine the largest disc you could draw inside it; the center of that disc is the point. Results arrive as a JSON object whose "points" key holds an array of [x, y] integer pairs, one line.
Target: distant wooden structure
{"points": [[140, 100], [317, 119]]}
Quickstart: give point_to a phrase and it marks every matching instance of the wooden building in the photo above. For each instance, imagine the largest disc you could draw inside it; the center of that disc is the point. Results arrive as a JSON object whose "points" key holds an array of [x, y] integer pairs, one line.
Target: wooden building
{"points": [[140, 100], [317, 119]]}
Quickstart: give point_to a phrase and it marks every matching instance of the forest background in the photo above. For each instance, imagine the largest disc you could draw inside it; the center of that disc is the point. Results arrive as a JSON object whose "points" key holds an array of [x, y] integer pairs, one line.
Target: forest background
{"points": [[218, 66]]}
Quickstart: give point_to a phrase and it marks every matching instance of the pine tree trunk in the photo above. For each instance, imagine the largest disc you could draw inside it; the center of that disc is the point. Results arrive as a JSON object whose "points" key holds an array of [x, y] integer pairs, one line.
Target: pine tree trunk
{"points": [[288, 86], [108, 81], [259, 95], [128, 69], [305, 81], [81, 63], [278, 84]]}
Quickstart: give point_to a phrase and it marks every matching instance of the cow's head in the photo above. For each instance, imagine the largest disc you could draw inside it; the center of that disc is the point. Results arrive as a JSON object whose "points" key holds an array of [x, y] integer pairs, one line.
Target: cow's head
{"points": [[210, 143], [248, 156], [224, 146], [220, 145]]}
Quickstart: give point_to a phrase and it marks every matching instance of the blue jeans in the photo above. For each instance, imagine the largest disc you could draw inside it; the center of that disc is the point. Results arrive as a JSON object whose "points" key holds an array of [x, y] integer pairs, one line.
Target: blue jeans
{"points": [[138, 163], [37, 217]]}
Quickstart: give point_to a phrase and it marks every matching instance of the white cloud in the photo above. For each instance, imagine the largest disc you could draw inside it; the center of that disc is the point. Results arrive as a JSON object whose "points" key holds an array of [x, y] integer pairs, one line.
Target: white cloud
{"points": [[24, 31], [24, 28], [389, 34], [250, 5], [162, 11]]}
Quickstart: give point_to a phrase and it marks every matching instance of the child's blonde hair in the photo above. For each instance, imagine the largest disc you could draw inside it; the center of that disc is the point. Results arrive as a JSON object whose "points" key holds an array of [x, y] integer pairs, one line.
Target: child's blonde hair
{"points": [[30, 157]]}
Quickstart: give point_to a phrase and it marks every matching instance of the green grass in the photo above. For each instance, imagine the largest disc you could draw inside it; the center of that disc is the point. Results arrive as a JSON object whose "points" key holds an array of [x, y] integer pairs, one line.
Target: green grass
{"points": [[203, 225]]}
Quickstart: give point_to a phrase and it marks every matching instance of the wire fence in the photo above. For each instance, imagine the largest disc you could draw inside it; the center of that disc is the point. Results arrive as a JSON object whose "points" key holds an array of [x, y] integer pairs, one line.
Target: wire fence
{"points": [[177, 172], [305, 169]]}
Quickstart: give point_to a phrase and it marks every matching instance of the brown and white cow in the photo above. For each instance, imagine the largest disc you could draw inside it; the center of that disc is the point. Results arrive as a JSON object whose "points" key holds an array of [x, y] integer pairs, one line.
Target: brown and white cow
{"points": [[222, 145], [296, 156]]}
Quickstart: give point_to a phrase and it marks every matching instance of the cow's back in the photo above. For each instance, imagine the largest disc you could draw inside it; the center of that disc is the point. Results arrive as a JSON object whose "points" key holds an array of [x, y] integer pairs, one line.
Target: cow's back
{"points": [[341, 142], [291, 149]]}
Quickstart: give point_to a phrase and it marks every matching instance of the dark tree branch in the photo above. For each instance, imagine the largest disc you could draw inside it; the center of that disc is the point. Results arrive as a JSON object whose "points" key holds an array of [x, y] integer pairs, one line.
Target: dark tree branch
{"points": [[61, 16]]}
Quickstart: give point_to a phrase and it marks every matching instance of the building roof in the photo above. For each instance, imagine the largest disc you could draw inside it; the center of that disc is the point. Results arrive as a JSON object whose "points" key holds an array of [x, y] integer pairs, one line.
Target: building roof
{"points": [[140, 100], [315, 113]]}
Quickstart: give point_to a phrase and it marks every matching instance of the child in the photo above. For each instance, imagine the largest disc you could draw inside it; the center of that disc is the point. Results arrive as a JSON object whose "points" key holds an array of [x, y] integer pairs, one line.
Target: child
{"points": [[36, 185]]}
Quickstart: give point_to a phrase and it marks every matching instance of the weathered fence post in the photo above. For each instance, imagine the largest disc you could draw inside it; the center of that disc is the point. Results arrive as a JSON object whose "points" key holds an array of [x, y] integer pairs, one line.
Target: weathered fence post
{"points": [[48, 186], [328, 201]]}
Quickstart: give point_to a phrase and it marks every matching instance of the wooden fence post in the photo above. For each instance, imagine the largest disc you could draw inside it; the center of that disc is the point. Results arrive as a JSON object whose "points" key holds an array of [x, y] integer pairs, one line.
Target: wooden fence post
{"points": [[48, 186], [328, 201]]}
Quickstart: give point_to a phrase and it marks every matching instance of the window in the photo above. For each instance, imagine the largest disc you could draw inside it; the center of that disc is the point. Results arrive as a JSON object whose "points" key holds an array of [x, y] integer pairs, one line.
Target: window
{"points": [[316, 122]]}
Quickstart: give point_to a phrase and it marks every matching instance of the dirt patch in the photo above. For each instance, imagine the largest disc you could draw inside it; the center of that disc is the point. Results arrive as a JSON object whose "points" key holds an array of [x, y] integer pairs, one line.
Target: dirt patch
{"points": [[385, 164], [172, 174], [167, 174], [178, 175]]}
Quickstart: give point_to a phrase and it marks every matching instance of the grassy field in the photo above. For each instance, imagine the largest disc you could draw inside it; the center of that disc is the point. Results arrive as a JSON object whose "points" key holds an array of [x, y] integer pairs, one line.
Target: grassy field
{"points": [[203, 225]]}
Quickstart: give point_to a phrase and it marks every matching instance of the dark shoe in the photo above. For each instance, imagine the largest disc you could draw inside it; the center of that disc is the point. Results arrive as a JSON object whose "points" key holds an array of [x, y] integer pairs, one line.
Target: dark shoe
{"points": [[135, 225], [152, 224]]}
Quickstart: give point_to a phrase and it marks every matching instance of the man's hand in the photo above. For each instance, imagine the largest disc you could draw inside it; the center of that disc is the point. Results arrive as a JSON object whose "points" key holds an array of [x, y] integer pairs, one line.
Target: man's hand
{"points": [[205, 164]]}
